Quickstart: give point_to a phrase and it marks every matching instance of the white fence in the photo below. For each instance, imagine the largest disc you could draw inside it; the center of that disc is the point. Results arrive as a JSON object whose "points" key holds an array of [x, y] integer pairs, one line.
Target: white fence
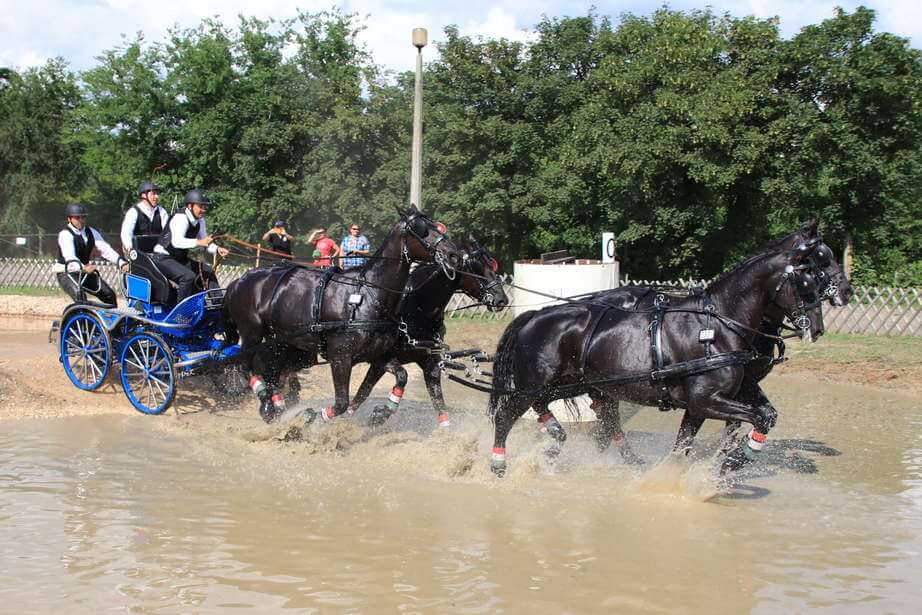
{"points": [[872, 311]]}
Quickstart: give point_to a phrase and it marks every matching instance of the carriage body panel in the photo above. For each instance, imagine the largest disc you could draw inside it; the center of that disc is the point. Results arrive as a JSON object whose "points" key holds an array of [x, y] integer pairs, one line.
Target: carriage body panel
{"points": [[141, 339]]}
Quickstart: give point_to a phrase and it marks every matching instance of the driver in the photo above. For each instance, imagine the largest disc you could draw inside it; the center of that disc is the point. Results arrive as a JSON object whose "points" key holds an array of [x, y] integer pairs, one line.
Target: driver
{"points": [[145, 221], [185, 232], [75, 247]]}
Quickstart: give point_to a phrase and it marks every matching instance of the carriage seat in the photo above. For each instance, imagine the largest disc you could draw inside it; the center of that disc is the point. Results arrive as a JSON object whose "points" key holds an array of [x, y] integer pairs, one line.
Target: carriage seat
{"points": [[142, 266]]}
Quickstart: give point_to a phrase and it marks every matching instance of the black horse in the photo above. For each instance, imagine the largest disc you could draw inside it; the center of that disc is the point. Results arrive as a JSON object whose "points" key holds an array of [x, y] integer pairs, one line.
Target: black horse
{"points": [[833, 286], [609, 351], [288, 314], [422, 317]]}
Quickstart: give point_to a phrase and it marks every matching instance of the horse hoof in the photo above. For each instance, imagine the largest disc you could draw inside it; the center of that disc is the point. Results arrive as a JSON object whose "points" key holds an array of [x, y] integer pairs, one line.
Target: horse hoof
{"points": [[379, 416], [736, 460], [630, 458], [267, 411], [294, 391], [498, 468]]}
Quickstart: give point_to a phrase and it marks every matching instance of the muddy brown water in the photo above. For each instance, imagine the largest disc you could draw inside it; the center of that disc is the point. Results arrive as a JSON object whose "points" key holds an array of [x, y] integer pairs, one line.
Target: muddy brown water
{"points": [[212, 512]]}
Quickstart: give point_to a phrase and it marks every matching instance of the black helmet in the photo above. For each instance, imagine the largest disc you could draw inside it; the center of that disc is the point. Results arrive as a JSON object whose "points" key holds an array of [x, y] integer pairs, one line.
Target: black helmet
{"points": [[280, 223], [197, 196], [74, 209], [147, 187]]}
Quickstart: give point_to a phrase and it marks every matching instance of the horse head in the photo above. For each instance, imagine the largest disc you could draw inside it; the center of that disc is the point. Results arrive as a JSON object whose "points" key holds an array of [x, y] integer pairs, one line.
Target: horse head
{"points": [[427, 241], [797, 292], [483, 283], [831, 279]]}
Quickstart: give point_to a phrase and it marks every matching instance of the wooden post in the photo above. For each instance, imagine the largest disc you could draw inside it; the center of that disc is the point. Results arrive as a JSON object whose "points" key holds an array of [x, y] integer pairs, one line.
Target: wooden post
{"points": [[258, 251], [847, 255]]}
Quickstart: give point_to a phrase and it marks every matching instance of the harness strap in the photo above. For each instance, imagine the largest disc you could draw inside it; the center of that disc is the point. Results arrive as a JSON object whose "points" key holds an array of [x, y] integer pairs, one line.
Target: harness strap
{"points": [[272, 302], [683, 369], [594, 321], [656, 350]]}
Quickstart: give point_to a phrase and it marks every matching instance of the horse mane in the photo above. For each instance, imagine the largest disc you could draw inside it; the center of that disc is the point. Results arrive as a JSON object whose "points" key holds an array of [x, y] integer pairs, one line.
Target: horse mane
{"points": [[767, 251]]}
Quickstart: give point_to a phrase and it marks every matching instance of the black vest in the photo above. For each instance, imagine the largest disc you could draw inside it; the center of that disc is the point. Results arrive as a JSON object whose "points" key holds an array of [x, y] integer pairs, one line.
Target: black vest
{"points": [[143, 226], [166, 239], [279, 243], [82, 248]]}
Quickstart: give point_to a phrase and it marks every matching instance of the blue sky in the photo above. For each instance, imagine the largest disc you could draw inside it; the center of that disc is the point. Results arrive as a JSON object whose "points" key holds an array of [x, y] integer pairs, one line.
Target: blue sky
{"points": [[78, 30]]}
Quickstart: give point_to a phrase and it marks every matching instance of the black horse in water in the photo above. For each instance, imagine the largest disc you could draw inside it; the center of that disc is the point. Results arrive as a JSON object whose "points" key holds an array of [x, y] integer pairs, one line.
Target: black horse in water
{"points": [[422, 317], [609, 351], [833, 286], [288, 314]]}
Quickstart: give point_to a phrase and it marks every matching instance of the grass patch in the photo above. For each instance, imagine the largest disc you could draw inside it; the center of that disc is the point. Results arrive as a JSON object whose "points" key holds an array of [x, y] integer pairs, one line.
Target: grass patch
{"points": [[849, 348], [30, 291]]}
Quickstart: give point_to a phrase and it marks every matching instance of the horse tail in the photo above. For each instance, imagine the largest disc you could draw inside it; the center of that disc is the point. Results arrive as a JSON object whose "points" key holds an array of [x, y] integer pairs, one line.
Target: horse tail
{"points": [[503, 368], [231, 335]]}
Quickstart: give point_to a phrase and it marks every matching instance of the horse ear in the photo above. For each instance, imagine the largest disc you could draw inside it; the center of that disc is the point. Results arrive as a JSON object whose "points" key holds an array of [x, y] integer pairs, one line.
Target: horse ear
{"points": [[810, 226]]}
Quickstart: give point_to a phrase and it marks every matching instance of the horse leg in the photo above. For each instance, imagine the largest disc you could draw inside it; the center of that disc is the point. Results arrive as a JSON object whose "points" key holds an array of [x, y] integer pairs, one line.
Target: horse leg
{"points": [[258, 369], [508, 411], [610, 431], [762, 418], [688, 429], [433, 378], [549, 424], [372, 376], [341, 367], [382, 413]]}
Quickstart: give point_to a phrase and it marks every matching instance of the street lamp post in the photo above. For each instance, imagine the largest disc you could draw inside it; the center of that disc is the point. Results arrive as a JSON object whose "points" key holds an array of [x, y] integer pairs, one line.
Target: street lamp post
{"points": [[420, 38]]}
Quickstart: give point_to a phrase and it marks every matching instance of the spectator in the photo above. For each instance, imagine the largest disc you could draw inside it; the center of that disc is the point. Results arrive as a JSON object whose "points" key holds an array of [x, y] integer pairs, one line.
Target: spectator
{"points": [[325, 249], [355, 246], [278, 238]]}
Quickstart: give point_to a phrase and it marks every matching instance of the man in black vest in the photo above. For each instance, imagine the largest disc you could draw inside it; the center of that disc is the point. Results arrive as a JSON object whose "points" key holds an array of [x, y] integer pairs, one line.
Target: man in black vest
{"points": [[185, 232], [75, 247], [145, 221]]}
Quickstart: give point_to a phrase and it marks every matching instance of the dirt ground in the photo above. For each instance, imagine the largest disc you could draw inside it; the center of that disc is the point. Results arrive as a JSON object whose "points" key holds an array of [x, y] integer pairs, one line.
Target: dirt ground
{"points": [[32, 383]]}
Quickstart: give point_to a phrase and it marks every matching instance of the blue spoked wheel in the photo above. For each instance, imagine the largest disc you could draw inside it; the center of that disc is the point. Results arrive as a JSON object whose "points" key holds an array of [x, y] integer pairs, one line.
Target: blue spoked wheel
{"points": [[148, 376], [86, 352]]}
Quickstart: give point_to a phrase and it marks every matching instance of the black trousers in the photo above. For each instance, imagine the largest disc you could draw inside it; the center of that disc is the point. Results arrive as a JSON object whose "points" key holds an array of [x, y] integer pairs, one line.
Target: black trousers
{"points": [[186, 274], [92, 284]]}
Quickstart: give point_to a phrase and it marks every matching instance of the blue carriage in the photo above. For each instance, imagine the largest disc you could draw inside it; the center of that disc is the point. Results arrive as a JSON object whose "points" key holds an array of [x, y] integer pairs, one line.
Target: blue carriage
{"points": [[153, 341]]}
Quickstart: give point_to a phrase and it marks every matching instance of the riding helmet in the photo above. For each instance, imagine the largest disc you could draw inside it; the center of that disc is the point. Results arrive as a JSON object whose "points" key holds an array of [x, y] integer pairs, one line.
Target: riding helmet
{"points": [[147, 187], [197, 196], [280, 223], [75, 209]]}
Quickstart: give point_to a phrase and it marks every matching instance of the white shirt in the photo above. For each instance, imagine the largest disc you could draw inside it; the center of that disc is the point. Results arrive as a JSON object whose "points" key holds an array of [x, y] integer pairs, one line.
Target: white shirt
{"points": [[131, 218], [69, 250], [178, 227]]}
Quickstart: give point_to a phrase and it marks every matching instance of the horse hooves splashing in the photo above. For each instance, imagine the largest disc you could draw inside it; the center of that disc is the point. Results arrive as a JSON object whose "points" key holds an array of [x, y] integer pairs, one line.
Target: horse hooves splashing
{"points": [[379, 416]]}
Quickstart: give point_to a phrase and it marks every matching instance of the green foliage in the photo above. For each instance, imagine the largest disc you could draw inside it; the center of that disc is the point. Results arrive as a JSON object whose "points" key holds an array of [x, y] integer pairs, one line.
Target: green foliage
{"points": [[695, 136]]}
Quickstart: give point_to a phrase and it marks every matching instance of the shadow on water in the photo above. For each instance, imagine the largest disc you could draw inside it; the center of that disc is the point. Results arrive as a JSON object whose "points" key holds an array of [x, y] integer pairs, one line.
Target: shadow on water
{"points": [[786, 454]]}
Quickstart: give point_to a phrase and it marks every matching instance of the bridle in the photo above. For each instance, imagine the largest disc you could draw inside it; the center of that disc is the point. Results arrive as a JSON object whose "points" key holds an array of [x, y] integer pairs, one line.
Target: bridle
{"points": [[486, 285], [806, 291], [411, 226]]}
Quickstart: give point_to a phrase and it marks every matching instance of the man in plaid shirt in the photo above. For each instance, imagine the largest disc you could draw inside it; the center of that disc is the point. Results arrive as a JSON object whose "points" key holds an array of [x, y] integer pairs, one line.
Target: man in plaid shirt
{"points": [[354, 246]]}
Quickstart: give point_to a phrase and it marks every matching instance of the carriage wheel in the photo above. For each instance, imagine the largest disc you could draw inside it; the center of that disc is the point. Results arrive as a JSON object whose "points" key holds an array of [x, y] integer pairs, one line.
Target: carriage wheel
{"points": [[85, 351], [148, 377]]}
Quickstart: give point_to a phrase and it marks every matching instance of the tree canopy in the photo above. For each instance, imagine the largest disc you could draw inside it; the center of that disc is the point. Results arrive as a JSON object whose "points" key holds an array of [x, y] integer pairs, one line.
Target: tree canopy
{"points": [[694, 136]]}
